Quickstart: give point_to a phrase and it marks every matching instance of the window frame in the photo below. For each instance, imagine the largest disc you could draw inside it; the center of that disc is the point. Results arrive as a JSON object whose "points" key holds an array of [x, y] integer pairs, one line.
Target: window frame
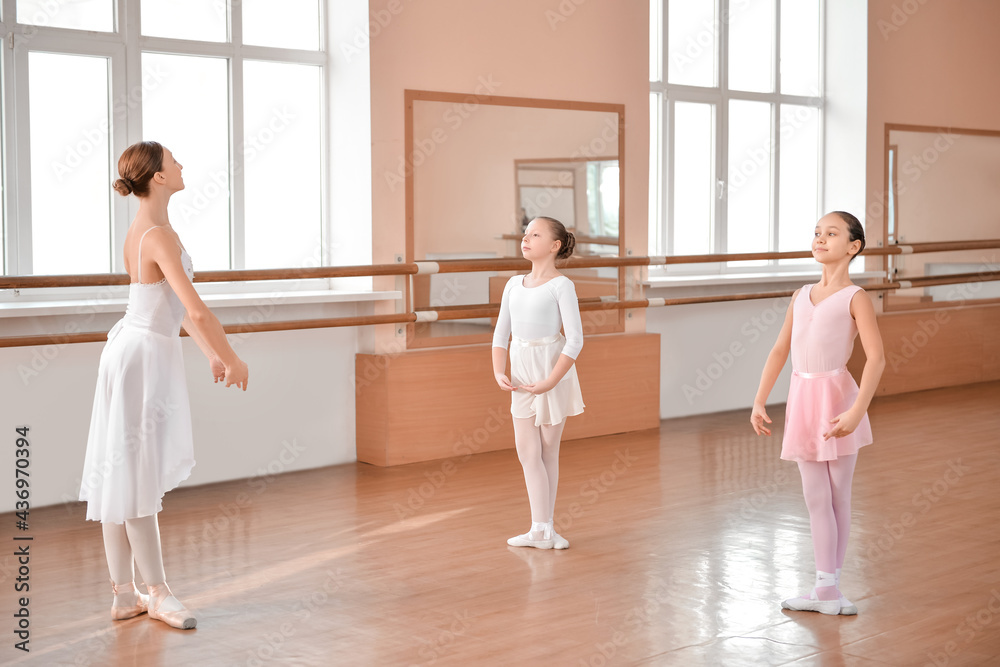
{"points": [[124, 47], [663, 98]]}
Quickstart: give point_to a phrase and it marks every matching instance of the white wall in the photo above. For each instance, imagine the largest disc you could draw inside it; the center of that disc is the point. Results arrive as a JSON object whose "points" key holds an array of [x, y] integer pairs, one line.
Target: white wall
{"points": [[349, 203], [297, 413], [711, 355], [846, 83]]}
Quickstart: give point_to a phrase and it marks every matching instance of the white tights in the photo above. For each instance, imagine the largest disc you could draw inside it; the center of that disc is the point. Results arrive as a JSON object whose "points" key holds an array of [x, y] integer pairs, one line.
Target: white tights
{"points": [[826, 486], [538, 452], [137, 539]]}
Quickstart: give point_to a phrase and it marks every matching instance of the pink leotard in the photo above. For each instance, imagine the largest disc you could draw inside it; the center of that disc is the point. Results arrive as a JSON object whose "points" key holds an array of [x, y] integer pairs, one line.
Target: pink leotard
{"points": [[821, 388]]}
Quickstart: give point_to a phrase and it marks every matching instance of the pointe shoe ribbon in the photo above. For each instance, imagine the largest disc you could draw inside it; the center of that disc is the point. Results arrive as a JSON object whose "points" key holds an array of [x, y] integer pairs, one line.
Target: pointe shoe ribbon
{"points": [[182, 619]]}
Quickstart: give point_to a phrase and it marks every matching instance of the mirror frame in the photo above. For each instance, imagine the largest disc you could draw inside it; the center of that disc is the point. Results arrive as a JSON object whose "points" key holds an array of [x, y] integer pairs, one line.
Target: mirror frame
{"points": [[616, 321], [890, 152]]}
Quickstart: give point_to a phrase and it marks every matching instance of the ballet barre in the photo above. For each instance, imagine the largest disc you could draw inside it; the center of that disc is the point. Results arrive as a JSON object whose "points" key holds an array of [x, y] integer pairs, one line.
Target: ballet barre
{"points": [[473, 265]]}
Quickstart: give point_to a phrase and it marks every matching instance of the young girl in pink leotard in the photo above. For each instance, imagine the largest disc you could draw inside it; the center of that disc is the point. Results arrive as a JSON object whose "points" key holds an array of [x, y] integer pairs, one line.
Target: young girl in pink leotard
{"points": [[826, 419]]}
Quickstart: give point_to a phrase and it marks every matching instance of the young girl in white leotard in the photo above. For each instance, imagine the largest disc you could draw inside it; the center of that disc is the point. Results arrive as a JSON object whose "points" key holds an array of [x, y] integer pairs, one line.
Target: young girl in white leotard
{"points": [[825, 418], [543, 384], [140, 443]]}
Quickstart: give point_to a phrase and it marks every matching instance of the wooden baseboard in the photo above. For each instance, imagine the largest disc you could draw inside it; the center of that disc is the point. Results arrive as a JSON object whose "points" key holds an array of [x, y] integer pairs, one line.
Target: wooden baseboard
{"points": [[436, 403], [928, 349]]}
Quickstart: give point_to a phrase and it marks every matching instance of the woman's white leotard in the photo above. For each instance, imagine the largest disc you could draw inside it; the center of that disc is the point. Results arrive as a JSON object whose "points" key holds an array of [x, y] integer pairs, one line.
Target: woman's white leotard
{"points": [[140, 443]]}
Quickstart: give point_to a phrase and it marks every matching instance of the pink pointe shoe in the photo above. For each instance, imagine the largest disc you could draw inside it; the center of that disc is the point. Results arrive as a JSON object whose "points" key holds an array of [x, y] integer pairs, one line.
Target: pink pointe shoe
{"points": [[176, 615], [140, 602]]}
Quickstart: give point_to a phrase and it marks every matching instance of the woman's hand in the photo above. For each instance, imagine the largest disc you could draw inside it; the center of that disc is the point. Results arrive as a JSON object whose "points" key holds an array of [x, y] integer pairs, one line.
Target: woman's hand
{"points": [[237, 374], [843, 424], [504, 382], [217, 367], [757, 419]]}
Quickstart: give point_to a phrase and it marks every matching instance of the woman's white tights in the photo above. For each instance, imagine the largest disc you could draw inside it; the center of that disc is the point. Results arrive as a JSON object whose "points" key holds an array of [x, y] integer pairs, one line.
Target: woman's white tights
{"points": [[138, 539]]}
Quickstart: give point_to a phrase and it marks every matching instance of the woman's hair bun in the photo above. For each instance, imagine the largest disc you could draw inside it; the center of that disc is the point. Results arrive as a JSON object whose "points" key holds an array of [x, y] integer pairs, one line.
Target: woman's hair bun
{"points": [[137, 166], [123, 186]]}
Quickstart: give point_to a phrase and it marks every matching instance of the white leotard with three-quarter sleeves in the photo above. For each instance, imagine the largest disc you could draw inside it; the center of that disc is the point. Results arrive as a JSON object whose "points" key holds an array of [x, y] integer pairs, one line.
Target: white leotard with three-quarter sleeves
{"points": [[533, 313], [534, 316]]}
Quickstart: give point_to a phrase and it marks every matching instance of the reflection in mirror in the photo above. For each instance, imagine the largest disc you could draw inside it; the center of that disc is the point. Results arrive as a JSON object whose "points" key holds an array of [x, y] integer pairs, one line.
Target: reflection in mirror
{"points": [[581, 193], [942, 187], [482, 169]]}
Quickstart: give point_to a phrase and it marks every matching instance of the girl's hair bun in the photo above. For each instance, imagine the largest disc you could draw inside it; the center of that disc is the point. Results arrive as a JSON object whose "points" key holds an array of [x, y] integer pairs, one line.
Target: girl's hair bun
{"points": [[565, 237], [568, 246]]}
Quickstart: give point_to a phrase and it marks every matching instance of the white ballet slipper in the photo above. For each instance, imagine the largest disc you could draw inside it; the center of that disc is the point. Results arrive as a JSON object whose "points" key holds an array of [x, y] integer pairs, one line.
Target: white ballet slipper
{"points": [[526, 541], [828, 607], [812, 602], [541, 528]]}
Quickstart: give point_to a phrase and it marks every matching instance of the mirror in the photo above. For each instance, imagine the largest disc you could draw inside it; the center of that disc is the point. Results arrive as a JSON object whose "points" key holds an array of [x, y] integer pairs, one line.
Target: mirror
{"points": [[583, 193], [941, 185], [480, 169]]}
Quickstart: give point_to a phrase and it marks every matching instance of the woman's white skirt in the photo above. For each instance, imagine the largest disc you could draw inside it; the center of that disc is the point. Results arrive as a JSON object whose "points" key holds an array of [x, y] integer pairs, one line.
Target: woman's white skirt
{"points": [[140, 443], [532, 361]]}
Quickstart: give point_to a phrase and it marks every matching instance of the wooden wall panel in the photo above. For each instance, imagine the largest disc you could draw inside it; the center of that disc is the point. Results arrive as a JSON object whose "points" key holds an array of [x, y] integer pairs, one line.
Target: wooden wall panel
{"points": [[928, 349], [371, 406], [443, 402], [991, 343]]}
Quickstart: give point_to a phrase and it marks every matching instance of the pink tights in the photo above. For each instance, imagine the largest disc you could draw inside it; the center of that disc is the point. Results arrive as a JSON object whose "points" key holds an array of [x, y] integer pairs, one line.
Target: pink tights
{"points": [[538, 452], [826, 486]]}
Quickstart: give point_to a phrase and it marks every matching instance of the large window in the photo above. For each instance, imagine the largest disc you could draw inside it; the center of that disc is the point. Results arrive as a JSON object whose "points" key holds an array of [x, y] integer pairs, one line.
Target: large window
{"points": [[736, 99], [234, 88]]}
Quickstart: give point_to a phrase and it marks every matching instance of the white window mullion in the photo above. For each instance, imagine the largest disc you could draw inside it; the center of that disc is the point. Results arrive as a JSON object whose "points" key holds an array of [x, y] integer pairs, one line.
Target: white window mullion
{"points": [[721, 200], [237, 248], [665, 182], [664, 44], [21, 164], [11, 227], [326, 237], [821, 103], [127, 122], [657, 221], [660, 225], [772, 244], [118, 139]]}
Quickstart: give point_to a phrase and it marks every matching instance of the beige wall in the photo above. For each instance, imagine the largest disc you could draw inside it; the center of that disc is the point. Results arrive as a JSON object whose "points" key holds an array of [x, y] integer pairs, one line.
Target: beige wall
{"points": [[930, 62], [593, 51]]}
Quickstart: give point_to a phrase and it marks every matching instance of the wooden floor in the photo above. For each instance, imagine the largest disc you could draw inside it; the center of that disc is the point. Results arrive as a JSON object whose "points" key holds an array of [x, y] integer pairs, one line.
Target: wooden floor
{"points": [[684, 542]]}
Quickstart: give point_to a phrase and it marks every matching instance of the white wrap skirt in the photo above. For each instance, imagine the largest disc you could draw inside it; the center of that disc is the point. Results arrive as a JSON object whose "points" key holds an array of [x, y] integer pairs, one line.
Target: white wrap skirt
{"points": [[532, 361]]}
